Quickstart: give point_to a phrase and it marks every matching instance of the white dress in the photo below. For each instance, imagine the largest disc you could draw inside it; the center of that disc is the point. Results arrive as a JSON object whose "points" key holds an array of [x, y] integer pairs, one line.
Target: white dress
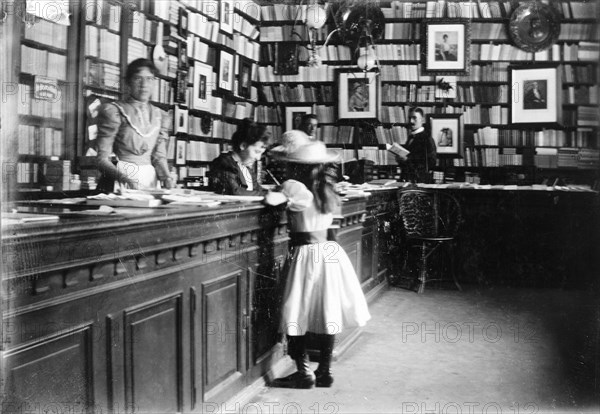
{"points": [[322, 293]]}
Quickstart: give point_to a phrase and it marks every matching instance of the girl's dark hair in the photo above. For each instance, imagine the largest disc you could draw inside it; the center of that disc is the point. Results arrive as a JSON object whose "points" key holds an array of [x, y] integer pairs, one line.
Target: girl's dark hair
{"points": [[248, 132], [319, 179], [134, 67]]}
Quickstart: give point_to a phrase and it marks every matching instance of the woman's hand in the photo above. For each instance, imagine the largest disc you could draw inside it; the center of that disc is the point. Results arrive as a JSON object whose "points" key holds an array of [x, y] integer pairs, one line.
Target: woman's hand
{"points": [[167, 183]]}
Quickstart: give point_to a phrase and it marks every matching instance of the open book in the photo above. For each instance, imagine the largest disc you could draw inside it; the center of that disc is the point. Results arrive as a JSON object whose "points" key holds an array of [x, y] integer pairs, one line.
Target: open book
{"points": [[397, 149]]}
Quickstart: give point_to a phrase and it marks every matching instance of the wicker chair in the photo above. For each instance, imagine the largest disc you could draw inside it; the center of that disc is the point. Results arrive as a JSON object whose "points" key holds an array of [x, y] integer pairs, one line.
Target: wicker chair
{"points": [[431, 220]]}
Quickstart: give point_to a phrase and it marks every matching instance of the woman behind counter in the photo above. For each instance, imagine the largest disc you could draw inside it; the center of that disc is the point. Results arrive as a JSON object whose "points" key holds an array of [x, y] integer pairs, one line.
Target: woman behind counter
{"points": [[231, 172], [136, 132]]}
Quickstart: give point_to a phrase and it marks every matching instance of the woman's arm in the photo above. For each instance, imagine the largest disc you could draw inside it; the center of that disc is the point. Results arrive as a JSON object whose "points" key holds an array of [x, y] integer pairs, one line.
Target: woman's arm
{"points": [[109, 122], [159, 153]]}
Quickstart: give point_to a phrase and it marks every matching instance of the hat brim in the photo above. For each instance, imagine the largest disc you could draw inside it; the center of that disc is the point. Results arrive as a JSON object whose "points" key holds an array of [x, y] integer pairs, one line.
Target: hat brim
{"points": [[330, 157]]}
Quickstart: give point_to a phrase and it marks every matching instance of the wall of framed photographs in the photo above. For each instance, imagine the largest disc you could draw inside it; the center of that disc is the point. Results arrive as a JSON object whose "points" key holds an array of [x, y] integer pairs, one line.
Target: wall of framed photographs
{"points": [[450, 58]]}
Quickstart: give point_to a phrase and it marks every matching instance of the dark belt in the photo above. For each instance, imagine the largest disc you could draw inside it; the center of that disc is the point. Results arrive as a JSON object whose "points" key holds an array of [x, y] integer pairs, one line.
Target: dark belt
{"points": [[308, 237]]}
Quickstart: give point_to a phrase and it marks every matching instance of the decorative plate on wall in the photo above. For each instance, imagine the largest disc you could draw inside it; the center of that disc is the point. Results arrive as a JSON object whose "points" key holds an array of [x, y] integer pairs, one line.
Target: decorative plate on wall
{"points": [[534, 26]]}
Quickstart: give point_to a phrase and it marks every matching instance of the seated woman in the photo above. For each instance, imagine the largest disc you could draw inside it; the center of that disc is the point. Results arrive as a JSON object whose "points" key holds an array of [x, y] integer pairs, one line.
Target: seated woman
{"points": [[136, 132], [231, 173]]}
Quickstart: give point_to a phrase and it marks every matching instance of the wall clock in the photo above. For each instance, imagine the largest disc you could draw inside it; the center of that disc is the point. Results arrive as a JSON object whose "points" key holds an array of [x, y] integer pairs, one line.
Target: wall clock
{"points": [[534, 26]]}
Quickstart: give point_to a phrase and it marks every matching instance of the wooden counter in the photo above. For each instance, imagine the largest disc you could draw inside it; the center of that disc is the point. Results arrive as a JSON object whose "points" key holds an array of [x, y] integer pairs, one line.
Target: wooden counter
{"points": [[158, 309]]}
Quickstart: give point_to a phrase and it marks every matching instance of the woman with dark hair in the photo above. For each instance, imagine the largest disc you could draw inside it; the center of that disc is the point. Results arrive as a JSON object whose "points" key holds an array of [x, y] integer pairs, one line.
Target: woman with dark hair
{"points": [[232, 172], [136, 132]]}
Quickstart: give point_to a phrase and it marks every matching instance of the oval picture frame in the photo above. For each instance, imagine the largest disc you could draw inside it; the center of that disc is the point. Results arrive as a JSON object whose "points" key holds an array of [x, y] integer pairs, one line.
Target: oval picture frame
{"points": [[534, 26]]}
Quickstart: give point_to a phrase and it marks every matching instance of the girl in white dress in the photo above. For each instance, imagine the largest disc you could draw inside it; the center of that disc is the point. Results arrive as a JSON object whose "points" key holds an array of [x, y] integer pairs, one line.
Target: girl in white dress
{"points": [[322, 294]]}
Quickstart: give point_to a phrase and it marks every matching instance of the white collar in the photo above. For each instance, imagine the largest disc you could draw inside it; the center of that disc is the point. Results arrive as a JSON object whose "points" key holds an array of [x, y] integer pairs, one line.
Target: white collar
{"points": [[417, 131]]}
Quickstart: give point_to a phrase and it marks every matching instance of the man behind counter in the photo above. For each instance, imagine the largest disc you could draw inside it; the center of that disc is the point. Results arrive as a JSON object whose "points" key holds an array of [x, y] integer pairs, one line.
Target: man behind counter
{"points": [[231, 172], [421, 159]]}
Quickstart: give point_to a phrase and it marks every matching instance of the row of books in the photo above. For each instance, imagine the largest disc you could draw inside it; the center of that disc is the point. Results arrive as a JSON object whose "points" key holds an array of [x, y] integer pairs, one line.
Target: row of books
{"points": [[579, 31], [392, 94], [579, 74], [398, 52], [333, 134], [583, 138], [102, 75], [482, 93], [378, 156], [297, 93], [48, 33], [143, 28], [403, 73], [245, 47], [322, 73], [451, 9], [105, 13], [325, 113], [35, 140], [269, 114], [42, 62], [27, 105], [587, 116], [293, 33], [136, 50], [581, 158], [396, 134], [495, 114], [102, 44], [494, 72], [405, 30], [27, 172], [198, 151], [580, 95]]}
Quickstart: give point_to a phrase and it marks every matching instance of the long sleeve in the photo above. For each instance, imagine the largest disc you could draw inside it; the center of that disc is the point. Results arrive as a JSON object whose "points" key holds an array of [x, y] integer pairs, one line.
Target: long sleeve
{"points": [[226, 178], [109, 122], [159, 154]]}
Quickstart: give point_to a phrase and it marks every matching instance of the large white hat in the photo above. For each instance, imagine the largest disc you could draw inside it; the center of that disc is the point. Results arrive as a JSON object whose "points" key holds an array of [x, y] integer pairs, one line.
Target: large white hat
{"points": [[313, 152], [290, 141]]}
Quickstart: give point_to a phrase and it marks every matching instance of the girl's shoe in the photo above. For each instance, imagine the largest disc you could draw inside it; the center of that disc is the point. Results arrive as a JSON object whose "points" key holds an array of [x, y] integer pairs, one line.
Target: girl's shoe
{"points": [[323, 379]]}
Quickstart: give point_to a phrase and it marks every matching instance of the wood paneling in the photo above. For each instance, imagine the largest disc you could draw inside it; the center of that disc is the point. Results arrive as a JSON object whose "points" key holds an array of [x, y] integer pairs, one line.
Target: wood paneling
{"points": [[53, 372]]}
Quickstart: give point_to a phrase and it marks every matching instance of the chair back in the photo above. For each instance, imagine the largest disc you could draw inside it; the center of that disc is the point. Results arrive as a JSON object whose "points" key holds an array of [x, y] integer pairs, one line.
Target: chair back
{"points": [[429, 213]]}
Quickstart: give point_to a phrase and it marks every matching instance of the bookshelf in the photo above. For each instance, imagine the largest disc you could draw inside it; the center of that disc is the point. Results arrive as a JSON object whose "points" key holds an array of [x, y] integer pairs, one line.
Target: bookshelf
{"points": [[88, 58], [482, 96]]}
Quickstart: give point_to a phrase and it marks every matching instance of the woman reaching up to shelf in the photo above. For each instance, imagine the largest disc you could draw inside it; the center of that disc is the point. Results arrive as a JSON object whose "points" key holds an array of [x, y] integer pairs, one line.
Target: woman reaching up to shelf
{"points": [[232, 173], [136, 133], [321, 292]]}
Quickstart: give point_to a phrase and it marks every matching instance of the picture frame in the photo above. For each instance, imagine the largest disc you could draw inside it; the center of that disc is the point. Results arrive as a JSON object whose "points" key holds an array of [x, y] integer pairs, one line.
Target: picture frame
{"points": [[180, 152], [245, 77], [203, 86], [182, 27], [446, 46], [226, 71], [535, 94], [226, 16], [181, 86], [182, 55], [358, 93], [180, 120], [447, 133], [294, 114]]}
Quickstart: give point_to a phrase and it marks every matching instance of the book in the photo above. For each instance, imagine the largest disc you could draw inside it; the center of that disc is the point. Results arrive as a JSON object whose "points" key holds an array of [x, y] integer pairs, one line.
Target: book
{"points": [[397, 149]]}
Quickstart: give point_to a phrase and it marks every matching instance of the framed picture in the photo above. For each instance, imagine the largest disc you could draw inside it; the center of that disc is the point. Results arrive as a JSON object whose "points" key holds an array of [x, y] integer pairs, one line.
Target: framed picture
{"points": [[358, 94], [226, 16], [180, 121], [182, 28], [180, 150], [226, 71], [181, 86], [447, 44], [245, 77], [203, 86], [446, 131], [535, 94], [182, 53], [445, 87], [294, 114]]}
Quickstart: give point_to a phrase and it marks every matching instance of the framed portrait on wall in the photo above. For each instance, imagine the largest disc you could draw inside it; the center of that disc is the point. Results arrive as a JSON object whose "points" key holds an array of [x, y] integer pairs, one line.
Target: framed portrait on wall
{"points": [[226, 71], [358, 94], [181, 86], [245, 77], [180, 121], [446, 131], [183, 22], [446, 46], [294, 114], [203, 85], [226, 16], [535, 94], [180, 150], [182, 55]]}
